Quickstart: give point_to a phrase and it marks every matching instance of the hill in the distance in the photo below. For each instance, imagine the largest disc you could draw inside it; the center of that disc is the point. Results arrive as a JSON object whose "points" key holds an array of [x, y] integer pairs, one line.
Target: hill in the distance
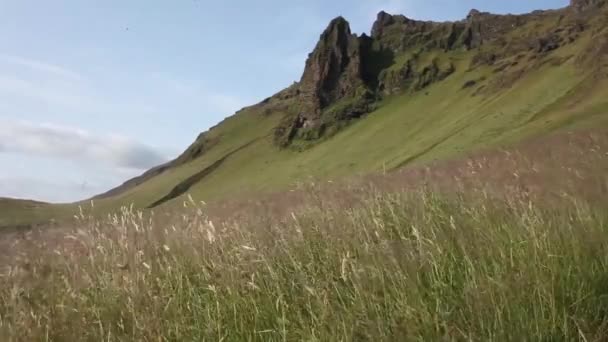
{"points": [[412, 92]]}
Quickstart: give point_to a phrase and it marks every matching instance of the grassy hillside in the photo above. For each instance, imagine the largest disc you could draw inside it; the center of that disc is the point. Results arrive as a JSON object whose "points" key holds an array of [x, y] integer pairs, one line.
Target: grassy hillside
{"points": [[440, 91], [14, 212], [442, 121], [413, 266], [504, 245], [480, 214]]}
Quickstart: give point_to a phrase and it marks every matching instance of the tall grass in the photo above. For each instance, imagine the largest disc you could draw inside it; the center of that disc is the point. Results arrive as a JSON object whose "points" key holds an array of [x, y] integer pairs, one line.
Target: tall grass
{"points": [[408, 266]]}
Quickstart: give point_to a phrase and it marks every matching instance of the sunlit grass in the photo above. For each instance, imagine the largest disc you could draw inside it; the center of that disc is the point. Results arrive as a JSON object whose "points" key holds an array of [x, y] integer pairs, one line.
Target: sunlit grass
{"points": [[406, 266]]}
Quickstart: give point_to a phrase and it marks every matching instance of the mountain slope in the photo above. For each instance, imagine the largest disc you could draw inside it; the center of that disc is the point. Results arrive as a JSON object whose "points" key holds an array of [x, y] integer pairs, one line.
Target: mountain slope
{"points": [[410, 93]]}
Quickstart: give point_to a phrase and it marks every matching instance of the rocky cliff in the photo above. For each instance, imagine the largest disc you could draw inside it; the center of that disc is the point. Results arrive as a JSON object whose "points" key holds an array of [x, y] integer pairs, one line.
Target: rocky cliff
{"points": [[347, 74]]}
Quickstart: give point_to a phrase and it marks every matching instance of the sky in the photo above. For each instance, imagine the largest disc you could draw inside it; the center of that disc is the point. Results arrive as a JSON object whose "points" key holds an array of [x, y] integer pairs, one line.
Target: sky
{"points": [[95, 92]]}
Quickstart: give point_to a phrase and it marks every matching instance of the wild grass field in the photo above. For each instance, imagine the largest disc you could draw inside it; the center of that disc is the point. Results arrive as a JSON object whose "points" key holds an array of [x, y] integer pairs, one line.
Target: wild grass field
{"points": [[402, 267], [512, 247], [469, 204]]}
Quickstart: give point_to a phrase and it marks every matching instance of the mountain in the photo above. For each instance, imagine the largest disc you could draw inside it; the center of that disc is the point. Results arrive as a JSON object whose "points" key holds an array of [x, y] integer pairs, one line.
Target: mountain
{"points": [[409, 93]]}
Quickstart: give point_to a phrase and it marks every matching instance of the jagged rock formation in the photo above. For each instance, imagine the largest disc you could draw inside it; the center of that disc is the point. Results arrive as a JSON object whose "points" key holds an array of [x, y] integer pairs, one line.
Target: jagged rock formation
{"points": [[346, 73], [334, 71]]}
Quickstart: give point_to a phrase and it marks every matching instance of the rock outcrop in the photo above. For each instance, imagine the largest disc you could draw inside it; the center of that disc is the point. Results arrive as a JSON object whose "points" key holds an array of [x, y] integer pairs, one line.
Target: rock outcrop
{"points": [[333, 71], [398, 33], [346, 73], [384, 21]]}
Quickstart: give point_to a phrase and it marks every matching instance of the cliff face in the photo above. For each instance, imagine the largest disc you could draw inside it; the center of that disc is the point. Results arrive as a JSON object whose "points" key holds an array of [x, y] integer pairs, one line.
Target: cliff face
{"points": [[346, 74], [334, 71]]}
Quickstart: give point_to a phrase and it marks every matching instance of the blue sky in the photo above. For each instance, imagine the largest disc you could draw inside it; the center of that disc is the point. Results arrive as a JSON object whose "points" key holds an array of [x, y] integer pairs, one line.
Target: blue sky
{"points": [[95, 92]]}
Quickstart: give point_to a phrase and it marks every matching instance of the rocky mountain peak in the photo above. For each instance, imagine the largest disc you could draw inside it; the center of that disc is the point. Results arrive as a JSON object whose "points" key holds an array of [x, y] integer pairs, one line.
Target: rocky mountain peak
{"points": [[476, 14], [333, 69], [385, 20], [346, 75], [337, 29]]}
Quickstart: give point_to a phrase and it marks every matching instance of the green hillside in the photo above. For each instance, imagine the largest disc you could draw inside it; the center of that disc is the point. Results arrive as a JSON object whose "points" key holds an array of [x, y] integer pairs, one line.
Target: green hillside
{"points": [[411, 93]]}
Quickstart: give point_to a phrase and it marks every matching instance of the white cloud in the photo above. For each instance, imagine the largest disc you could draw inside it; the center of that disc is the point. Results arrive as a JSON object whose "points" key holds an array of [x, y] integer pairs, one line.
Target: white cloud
{"points": [[71, 143]]}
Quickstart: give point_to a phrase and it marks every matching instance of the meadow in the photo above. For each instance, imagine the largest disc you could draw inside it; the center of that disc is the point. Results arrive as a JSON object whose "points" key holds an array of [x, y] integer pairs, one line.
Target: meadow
{"points": [[360, 264], [466, 203]]}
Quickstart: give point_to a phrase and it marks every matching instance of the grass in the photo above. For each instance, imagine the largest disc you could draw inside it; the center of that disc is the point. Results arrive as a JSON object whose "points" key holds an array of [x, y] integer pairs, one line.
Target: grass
{"points": [[406, 129], [233, 133], [394, 267], [23, 212]]}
